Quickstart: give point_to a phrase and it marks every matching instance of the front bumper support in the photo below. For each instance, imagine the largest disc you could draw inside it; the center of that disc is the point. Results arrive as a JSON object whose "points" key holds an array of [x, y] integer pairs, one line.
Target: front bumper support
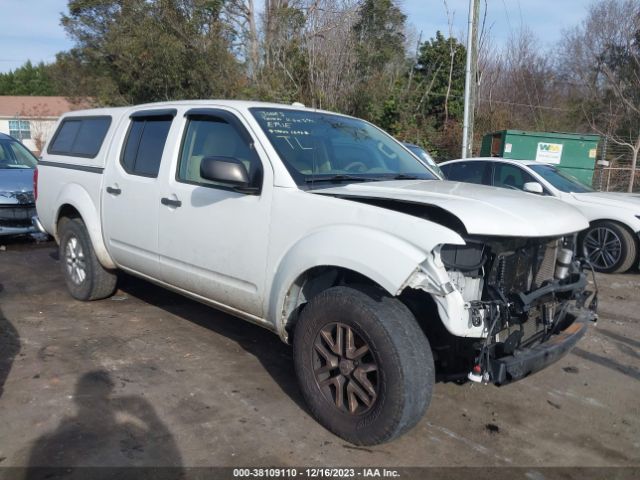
{"points": [[526, 361]]}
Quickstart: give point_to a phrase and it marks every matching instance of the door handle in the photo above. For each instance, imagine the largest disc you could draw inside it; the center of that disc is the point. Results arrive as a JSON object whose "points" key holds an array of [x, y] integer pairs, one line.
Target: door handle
{"points": [[169, 202], [114, 191]]}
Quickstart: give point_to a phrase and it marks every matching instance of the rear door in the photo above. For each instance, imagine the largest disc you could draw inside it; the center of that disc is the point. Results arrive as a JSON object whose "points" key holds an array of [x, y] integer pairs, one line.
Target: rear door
{"points": [[131, 196]]}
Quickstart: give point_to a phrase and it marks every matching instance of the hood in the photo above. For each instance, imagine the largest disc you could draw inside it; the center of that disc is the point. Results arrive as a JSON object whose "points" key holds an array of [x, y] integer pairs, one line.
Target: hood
{"points": [[483, 210], [16, 186], [629, 201]]}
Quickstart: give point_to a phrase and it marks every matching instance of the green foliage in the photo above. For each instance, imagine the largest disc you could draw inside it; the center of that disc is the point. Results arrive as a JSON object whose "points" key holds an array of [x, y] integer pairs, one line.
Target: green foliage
{"points": [[438, 58], [284, 75], [379, 33], [136, 51], [380, 55], [28, 79]]}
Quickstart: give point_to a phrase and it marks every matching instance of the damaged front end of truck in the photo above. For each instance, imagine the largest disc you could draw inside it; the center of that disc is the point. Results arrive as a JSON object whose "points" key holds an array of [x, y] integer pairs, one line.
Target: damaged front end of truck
{"points": [[510, 298], [511, 306]]}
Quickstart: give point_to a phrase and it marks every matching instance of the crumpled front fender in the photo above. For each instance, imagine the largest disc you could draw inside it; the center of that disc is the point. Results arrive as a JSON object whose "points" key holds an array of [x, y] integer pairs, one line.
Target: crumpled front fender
{"points": [[432, 277]]}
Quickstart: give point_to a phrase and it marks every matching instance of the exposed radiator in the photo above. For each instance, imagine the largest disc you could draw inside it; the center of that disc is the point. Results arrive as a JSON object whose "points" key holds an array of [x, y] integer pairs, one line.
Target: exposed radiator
{"points": [[547, 267], [526, 269]]}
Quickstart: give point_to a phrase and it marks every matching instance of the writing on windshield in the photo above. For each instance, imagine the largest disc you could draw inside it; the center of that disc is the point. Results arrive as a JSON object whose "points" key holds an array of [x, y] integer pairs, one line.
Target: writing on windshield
{"points": [[316, 144]]}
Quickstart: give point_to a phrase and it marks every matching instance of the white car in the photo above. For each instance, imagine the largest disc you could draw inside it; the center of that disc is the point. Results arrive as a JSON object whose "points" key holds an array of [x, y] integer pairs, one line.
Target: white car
{"points": [[611, 241], [327, 231]]}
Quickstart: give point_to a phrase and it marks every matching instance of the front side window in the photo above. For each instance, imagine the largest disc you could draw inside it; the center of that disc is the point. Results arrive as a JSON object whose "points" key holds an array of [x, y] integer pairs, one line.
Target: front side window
{"points": [[469, 172], [211, 136], [145, 142], [317, 147], [20, 129], [510, 176], [15, 155], [560, 180]]}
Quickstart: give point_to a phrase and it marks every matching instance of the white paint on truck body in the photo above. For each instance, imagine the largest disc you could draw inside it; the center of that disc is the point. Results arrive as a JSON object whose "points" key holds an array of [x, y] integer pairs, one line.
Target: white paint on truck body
{"points": [[244, 253]]}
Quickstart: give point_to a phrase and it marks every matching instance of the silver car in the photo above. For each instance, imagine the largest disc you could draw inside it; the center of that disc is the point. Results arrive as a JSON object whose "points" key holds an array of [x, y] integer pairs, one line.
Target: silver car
{"points": [[17, 202]]}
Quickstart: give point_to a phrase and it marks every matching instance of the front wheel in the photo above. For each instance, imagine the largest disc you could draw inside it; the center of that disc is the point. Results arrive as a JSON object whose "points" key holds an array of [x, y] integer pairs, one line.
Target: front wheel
{"points": [[85, 277], [609, 247], [363, 363]]}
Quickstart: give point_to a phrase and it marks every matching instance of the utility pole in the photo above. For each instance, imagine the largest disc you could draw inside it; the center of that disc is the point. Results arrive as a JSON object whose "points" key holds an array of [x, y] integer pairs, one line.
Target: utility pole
{"points": [[470, 81]]}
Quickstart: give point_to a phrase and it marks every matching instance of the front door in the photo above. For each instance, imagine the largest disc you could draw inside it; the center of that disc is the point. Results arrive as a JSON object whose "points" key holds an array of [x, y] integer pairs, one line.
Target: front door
{"points": [[131, 196], [213, 239]]}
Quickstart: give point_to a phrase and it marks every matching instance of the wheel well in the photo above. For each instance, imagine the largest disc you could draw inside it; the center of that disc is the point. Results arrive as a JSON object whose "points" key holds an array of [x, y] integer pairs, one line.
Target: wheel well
{"points": [[633, 234], [453, 355], [603, 220], [66, 211], [313, 282]]}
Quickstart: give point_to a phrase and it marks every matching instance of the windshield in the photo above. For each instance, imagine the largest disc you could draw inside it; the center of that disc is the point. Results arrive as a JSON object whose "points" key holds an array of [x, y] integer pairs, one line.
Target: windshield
{"points": [[321, 147], [14, 155], [560, 180]]}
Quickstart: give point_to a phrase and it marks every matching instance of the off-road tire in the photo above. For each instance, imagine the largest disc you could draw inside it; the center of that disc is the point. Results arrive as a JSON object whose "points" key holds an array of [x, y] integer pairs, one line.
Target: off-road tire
{"points": [[405, 369], [629, 247], [98, 282]]}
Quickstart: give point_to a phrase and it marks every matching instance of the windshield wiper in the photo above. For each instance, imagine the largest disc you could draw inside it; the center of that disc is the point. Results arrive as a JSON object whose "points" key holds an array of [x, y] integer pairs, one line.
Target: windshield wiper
{"points": [[403, 176], [340, 178]]}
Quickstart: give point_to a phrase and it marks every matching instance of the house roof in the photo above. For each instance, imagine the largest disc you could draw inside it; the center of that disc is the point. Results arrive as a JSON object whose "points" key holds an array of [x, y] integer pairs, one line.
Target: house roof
{"points": [[35, 106]]}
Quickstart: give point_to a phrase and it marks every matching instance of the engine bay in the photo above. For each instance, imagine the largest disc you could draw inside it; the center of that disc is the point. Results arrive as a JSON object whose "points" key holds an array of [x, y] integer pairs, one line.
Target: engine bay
{"points": [[521, 291]]}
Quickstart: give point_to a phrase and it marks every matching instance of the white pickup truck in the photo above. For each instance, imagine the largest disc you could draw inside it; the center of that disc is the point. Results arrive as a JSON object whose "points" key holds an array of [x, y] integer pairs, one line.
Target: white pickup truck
{"points": [[327, 231]]}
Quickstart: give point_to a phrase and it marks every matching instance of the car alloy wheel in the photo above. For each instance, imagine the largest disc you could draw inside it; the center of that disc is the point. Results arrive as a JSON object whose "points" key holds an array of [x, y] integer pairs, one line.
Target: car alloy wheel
{"points": [[345, 369], [603, 247], [75, 261]]}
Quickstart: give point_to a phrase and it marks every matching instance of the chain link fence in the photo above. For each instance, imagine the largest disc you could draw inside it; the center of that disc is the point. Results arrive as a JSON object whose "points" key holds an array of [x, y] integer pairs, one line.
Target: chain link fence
{"points": [[614, 175]]}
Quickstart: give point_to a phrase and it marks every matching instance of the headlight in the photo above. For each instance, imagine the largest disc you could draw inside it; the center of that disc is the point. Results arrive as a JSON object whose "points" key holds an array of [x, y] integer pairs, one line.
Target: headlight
{"points": [[465, 258]]}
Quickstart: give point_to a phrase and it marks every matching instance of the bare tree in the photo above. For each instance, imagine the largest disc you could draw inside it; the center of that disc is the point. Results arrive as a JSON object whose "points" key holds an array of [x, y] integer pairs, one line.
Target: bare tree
{"points": [[40, 122], [452, 54], [330, 49], [241, 14], [601, 60], [520, 87]]}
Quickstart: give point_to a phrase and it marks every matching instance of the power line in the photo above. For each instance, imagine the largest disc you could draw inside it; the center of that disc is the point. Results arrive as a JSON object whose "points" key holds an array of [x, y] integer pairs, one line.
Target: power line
{"points": [[502, 102], [515, 104]]}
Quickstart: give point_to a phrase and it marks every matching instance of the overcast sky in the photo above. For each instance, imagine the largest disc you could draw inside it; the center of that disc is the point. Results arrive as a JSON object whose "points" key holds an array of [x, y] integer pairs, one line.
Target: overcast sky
{"points": [[30, 29]]}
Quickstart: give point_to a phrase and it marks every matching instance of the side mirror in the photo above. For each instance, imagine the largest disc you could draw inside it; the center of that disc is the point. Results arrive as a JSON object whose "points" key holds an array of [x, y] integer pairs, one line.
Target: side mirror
{"points": [[228, 170], [533, 187]]}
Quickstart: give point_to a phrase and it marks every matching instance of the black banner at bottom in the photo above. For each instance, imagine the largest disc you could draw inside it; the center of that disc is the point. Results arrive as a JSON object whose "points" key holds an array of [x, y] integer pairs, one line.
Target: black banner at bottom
{"points": [[315, 473]]}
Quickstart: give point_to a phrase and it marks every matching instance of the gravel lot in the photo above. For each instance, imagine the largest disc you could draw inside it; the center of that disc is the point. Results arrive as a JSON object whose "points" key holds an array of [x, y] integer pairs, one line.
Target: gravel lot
{"points": [[151, 378]]}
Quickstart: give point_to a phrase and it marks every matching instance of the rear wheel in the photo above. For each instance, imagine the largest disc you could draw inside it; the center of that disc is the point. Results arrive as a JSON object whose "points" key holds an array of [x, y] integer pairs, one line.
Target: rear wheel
{"points": [[85, 277], [609, 247], [363, 364]]}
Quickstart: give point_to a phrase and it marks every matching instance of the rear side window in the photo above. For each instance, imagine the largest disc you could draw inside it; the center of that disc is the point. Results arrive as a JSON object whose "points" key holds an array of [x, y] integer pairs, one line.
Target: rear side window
{"points": [[470, 172], [144, 146], [80, 136]]}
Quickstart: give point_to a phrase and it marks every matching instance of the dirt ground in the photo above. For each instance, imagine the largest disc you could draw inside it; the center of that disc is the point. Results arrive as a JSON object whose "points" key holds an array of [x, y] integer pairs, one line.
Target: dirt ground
{"points": [[148, 377]]}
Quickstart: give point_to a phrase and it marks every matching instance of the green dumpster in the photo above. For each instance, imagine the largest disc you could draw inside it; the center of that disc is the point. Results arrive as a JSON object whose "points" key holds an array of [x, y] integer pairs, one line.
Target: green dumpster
{"points": [[574, 153]]}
